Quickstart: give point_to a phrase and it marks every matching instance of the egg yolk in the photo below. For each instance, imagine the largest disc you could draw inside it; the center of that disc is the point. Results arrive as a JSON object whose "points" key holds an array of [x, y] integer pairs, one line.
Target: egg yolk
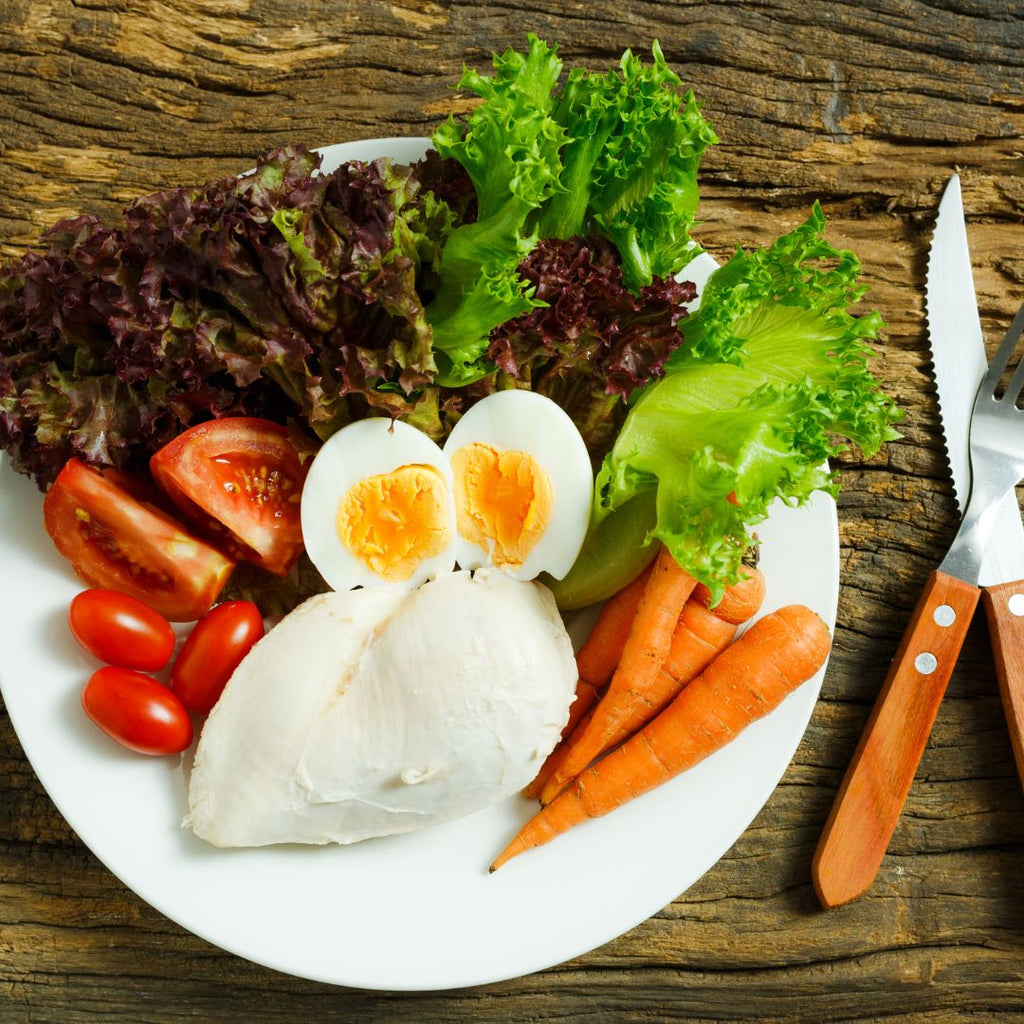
{"points": [[502, 501], [394, 521]]}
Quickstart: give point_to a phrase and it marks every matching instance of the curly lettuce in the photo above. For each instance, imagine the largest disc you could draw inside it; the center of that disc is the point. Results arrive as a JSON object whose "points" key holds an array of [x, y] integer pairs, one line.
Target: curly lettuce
{"points": [[630, 167], [593, 342], [286, 293], [509, 147], [613, 155], [772, 383]]}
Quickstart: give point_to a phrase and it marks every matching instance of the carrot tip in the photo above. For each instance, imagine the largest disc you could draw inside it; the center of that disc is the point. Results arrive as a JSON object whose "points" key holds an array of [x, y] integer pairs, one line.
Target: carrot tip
{"points": [[506, 855]]}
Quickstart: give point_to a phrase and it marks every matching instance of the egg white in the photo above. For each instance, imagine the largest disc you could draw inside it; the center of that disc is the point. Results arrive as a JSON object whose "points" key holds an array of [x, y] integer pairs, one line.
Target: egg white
{"points": [[517, 420], [362, 449]]}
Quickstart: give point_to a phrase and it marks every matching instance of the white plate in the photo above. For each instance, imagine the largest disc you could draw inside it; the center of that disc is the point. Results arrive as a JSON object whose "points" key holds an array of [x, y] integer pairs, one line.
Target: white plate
{"points": [[411, 912]]}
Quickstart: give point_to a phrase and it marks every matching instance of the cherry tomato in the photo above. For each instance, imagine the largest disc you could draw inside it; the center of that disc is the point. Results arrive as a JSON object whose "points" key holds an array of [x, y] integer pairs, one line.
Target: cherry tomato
{"points": [[137, 711], [116, 541], [239, 481], [121, 630], [212, 651]]}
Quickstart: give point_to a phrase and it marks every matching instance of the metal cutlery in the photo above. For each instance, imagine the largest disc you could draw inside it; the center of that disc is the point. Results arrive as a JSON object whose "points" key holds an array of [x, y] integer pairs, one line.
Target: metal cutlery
{"points": [[958, 353], [876, 784]]}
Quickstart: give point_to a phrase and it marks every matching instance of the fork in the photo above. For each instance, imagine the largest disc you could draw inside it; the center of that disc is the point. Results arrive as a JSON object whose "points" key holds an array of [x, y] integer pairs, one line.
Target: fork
{"points": [[997, 457], [875, 787]]}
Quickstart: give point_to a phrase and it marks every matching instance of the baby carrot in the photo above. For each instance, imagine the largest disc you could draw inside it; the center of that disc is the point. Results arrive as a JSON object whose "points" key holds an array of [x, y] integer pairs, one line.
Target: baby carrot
{"points": [[747, 680], [580, 712], [557, 756], [649, 642], [599, 656], [596, 661], [741, 600], [699, 636]]}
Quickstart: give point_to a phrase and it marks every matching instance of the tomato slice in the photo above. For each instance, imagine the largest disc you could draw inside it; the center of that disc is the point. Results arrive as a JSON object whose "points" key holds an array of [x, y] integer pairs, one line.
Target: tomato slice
{"points": [[115, 541], [238, 480]]}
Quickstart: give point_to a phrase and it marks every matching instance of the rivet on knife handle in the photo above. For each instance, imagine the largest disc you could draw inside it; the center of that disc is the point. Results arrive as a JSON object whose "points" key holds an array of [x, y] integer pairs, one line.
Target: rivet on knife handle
{"points": [[876, 784], [1004, 609]]}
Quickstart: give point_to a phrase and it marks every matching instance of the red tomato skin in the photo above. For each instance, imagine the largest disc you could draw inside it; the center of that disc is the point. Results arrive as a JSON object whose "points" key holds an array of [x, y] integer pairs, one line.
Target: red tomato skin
{"points": [[212, 651], [238, 480], [116, 541], [137, 711], [120, 630]]}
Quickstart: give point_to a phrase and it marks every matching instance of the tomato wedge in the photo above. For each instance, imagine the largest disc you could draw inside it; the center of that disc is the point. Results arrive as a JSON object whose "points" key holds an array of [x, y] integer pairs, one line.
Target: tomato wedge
{"points": [[115, 541], [238, 480]]}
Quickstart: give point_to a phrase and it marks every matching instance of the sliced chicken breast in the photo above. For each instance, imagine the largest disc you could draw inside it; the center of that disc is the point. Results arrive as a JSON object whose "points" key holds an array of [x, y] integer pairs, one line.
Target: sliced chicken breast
{"points": [[379, 711]]}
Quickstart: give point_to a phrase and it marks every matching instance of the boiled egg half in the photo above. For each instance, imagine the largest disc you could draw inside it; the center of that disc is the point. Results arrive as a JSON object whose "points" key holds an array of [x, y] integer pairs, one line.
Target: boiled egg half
{"points": [[511, 490], [523, 485], [377, 507]]}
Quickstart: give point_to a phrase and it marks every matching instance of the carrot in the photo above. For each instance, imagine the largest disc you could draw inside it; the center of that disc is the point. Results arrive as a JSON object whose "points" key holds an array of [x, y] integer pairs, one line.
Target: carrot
{"points": [[645, 650], [700, 635], [599, 656], [580, 712], [596, 661], [747, 680], [740, 601], [557, 756], [696, 640]]}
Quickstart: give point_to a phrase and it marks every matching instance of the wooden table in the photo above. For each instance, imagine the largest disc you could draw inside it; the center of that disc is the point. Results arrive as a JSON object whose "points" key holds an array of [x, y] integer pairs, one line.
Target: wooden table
{"points": [[868, 107]]}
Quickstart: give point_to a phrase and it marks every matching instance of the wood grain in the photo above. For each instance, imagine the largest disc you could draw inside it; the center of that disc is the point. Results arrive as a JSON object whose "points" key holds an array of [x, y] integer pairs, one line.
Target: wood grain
{"points": [[866, 106]]}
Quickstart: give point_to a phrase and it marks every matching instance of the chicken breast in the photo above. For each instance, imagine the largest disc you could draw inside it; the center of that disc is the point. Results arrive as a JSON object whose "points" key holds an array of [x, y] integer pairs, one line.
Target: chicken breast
{"points": [[383, 710]]}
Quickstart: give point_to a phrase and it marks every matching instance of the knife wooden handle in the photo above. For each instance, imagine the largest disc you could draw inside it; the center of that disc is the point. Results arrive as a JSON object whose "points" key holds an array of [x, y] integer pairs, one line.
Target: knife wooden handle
{"points": [[1004, 609], [876, 784]]}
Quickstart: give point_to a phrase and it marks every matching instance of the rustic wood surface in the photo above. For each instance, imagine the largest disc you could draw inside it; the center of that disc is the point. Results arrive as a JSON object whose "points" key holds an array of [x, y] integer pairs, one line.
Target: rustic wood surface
{"points": [[867, 106]]}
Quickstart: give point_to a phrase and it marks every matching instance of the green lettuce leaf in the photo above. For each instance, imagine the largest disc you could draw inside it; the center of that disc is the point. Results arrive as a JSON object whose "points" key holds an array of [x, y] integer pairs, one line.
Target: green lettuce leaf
{"points": [[613, 155], [772, 382], [509, 147], [631, 165]]}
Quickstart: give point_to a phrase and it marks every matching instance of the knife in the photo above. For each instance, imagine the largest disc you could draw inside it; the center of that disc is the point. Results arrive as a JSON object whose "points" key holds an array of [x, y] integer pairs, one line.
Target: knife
{"points": [[873, 792]]}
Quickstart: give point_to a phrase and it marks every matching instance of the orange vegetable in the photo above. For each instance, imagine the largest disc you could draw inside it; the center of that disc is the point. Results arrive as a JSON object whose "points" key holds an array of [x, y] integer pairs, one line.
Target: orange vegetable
{"points": [[557, 756], [596, 662], [599, 656], [580, 712], [747, 680], [646, 648], [740, 601], [700, 634]]}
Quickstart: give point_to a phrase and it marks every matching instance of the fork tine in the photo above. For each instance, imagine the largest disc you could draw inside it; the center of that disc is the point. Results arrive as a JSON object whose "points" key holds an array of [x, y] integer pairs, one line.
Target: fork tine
{"points": [[1013, 389], [1002, 358]]}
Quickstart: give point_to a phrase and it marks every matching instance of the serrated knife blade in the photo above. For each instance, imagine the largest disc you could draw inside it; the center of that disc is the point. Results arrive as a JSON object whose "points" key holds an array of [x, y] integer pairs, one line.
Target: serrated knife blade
{"points": [[958, 356]]}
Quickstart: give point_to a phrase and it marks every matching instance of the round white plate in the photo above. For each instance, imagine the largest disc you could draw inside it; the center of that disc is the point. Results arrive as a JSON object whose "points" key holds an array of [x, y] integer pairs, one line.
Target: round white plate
{"points": [[412, 912]]}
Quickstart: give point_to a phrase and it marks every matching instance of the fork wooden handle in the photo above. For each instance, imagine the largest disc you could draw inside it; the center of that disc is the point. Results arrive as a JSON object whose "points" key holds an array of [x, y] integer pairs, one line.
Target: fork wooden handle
{"points": [[1004, 609], [876, 784]]}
